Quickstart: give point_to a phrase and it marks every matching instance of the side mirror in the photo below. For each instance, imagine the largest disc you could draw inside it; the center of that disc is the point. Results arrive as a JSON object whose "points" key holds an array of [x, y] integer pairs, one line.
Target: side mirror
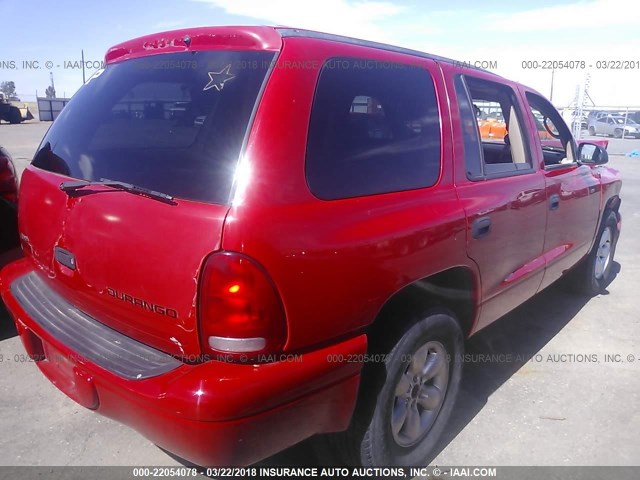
{"points": [[591, 153]]}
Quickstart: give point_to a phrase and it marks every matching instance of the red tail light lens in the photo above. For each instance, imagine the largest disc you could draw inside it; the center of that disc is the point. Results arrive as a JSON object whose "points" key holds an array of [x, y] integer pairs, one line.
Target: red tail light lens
{"points": [[240, 312], [8, 182]]}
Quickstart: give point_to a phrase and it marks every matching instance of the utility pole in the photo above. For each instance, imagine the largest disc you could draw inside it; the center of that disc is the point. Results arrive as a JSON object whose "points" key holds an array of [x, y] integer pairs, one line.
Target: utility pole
{"points": [[53, 88], [83, 78], [553, 71]]}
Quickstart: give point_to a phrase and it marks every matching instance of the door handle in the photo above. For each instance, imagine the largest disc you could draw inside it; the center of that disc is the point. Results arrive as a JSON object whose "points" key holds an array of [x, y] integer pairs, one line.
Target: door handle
{"points": [[481, 227], [554, 202]]}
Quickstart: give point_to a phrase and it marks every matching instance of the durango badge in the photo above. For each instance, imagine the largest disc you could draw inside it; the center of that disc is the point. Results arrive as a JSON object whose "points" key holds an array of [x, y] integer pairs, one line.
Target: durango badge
{"points": [[139, 302]]}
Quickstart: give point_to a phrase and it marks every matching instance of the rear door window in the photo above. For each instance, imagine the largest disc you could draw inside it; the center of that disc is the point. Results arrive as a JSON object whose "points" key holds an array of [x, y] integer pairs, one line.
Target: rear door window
{"points": [[173, 123], [374, 128], [505, 150]]}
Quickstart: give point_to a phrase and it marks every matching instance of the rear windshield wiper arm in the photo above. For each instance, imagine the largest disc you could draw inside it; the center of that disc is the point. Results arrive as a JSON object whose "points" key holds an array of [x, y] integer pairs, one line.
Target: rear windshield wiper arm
{"points": [[126, 187]]}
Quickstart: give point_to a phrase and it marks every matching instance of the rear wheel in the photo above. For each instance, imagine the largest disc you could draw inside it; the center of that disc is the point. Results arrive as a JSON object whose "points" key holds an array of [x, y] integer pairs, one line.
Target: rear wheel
{"points": [[592, 131], [404, 408], [617, 133], [419, 394]]}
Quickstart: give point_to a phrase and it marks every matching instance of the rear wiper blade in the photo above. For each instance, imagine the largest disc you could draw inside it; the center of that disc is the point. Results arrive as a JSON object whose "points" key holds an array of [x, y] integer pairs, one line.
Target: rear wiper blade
{"points": [[70, 187]]}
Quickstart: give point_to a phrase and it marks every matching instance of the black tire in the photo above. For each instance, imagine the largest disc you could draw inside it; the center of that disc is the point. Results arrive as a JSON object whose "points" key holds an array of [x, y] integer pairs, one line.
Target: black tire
{"points": [[617, 133], [592, 131], [594, 273], [370, 439]]}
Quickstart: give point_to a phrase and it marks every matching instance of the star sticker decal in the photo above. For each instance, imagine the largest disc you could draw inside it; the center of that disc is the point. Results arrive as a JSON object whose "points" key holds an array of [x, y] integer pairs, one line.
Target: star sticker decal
{"points": [[218, 79]]}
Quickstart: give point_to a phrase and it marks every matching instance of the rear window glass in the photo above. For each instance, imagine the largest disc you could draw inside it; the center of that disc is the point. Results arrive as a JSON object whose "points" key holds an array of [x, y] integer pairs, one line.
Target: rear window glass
{"points": [[374, 128], [173, 123]]}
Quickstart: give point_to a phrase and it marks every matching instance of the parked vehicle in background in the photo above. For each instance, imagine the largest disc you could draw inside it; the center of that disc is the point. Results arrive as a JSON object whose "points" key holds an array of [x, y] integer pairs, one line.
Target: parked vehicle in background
{"points": [[292, 234], [614, 125], [595, 115], [8, 203], [12, 114], [495, 129], [635, 116], [492, 129]]}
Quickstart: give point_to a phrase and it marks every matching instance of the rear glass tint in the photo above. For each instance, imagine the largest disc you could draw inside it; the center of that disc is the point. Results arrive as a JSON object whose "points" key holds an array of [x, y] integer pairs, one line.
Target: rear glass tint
{"points": [[374, 128], [173, 123]]}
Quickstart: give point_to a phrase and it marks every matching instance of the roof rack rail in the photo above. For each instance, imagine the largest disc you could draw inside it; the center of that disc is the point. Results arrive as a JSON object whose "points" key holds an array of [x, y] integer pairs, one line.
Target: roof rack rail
{"points": [[297, 32]]}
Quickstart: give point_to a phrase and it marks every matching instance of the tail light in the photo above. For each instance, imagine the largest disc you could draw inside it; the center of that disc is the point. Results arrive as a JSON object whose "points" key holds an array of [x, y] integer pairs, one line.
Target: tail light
{"points": [[240, 312], [8, 180]]}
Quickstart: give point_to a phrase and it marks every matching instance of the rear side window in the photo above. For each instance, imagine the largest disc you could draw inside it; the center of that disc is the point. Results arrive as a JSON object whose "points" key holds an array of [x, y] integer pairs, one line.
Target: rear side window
{"points": [[375, 128], [173, 123], [505, 149]]}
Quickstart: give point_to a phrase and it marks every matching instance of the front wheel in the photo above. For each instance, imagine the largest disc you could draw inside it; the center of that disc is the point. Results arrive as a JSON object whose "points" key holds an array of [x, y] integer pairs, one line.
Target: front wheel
{"points": [[595, 272], [413, 405], [592, 131]]}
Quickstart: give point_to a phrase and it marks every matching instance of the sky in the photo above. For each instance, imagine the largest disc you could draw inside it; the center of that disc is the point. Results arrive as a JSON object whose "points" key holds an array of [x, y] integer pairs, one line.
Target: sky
{"points": [[498, 34]]}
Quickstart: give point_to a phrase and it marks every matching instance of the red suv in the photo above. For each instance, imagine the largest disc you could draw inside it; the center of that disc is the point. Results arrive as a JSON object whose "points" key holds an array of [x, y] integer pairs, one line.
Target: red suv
{"points": [[238, 237]]}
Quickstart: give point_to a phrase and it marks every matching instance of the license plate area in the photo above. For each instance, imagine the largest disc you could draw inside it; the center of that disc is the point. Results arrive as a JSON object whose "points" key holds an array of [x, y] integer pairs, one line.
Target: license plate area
{"points": [[62, 370]]}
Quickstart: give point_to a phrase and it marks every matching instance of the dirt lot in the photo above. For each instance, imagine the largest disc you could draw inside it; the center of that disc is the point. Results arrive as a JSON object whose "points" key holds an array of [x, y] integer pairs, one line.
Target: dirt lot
{"points": [[542, 404]]}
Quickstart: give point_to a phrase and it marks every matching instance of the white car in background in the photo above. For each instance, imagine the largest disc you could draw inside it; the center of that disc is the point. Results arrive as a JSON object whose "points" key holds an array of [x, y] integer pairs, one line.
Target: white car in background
{"points": [[614, 125]]}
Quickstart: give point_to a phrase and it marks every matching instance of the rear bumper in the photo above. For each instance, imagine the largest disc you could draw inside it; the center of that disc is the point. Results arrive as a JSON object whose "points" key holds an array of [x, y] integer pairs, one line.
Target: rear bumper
{"points": [[212, 413]]}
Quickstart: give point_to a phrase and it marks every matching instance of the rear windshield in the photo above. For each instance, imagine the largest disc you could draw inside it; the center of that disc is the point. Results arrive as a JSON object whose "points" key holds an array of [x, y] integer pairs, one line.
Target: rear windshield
{"points": [[173, 123]]}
